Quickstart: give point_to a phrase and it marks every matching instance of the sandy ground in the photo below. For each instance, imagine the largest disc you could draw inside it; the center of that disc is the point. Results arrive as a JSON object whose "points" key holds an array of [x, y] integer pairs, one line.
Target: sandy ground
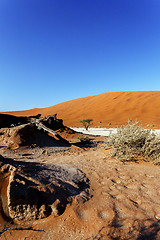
{"points": [[107, 109], [124, 203]]}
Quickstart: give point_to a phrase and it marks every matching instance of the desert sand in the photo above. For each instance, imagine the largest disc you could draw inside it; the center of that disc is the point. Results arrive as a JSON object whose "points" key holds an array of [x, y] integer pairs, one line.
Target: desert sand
{"points": [[112, 107], [123, 200]]}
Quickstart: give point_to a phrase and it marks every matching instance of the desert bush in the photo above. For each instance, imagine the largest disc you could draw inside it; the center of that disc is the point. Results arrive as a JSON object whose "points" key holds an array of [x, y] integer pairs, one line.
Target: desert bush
{"points": [[84, 139], [132, 141], [86, 122]]}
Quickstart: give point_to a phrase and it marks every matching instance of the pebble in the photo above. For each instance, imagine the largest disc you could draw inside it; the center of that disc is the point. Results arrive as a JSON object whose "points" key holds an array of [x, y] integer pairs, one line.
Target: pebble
{"points": [[157, 216]]}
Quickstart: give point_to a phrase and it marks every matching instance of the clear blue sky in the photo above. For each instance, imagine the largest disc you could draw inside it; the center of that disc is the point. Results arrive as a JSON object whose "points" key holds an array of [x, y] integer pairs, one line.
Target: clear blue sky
{"points": [[52, 51]]}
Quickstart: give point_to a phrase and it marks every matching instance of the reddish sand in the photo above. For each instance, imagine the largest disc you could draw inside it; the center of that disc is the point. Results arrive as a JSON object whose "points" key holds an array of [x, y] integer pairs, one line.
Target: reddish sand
{"points": [[113, 107], [125, 202]]}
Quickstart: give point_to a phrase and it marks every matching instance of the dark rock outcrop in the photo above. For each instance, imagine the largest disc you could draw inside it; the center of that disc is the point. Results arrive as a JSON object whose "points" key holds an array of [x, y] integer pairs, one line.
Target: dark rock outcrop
{"points": [[26, 131], [7, 120], [29, 135]]}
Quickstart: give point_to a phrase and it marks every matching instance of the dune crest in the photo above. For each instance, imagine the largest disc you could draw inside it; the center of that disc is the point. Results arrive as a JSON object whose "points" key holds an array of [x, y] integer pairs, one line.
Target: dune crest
{"points": [[109, 109]]}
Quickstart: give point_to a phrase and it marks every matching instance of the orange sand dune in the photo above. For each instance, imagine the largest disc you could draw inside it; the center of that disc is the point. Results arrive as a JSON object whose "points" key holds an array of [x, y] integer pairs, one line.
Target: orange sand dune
{"points": [[112, 107]]}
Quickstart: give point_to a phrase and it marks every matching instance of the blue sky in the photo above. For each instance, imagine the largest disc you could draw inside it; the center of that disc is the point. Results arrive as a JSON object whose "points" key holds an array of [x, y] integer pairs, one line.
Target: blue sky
{"points": [[53, 51]]}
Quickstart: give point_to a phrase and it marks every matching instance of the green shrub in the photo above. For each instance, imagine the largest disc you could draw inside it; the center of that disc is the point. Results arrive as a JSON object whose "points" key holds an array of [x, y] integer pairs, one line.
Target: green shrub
{"points": [[150, 125], [86, 122], [132, 141]]}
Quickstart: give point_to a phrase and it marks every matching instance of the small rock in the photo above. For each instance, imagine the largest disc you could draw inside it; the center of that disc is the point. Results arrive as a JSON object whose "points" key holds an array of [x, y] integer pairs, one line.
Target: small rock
{"points": [[157, 216]]}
